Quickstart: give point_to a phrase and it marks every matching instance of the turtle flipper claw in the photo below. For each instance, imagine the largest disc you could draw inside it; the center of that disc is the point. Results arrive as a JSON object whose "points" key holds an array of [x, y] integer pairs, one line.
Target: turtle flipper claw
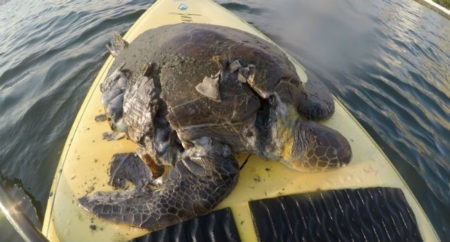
{"points": [[196, 184]]}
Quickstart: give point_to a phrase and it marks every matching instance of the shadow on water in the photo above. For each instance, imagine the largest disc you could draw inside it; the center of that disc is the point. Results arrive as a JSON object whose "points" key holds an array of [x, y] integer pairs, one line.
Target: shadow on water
{"points": [[388, 61]]}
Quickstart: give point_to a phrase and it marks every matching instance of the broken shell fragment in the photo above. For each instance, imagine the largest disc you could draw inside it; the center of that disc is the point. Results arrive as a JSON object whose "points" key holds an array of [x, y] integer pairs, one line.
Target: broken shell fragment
{"points": [[209, 88], [234, 66]]}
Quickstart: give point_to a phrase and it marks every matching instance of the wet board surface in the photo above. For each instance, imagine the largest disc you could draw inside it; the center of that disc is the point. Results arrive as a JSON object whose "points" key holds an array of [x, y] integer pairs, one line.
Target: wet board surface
{"points": [[86, 156]]}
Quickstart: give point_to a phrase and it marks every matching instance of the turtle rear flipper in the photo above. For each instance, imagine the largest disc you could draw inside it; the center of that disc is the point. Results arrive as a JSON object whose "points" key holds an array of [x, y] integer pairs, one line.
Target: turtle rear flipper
{"points": [[196, 184], [116, 45]]}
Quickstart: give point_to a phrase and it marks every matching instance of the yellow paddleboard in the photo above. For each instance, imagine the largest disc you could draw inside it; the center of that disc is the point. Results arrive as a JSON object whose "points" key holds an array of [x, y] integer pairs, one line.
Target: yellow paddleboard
{"points": [[85, 158]]}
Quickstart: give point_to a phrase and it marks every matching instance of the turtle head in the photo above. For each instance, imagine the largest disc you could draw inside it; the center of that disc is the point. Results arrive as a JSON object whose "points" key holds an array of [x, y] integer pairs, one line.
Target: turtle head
{"points": [[314, 146]]}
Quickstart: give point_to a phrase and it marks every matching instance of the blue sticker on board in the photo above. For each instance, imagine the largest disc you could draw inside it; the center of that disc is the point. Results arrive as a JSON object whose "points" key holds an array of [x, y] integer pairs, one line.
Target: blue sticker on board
{"points": [[182, 7]]}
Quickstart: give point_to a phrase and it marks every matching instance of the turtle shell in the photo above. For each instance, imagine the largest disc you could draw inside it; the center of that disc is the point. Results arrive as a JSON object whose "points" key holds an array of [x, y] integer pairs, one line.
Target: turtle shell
{"points": [[187, 53]]}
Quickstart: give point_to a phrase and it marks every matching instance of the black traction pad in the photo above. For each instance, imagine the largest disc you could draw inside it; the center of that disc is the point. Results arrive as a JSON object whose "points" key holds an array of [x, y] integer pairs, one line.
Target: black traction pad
{"points": [[216, 226], [369, 214]]}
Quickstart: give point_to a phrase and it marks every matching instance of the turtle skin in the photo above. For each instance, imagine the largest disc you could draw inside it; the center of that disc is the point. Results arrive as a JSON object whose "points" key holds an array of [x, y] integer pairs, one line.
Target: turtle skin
{"points": [[196, 94]]}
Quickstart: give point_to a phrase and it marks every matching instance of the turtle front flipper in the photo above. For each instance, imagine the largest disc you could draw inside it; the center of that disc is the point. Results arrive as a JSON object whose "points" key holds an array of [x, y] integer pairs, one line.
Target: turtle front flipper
{"points": [[198, 182], [316, 102], [316, 147]]}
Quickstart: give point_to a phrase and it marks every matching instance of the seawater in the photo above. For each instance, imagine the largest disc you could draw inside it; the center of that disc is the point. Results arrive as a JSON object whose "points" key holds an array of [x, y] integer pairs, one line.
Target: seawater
{"points": [[388, 61]]}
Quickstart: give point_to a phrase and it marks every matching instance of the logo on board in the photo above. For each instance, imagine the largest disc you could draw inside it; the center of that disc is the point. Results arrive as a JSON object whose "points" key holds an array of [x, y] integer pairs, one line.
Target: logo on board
{"points": [[182, 7]]}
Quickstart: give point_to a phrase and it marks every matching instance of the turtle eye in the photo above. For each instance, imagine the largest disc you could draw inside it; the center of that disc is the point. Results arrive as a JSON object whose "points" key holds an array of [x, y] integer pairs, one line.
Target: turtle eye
{"points": [[321, 141]]}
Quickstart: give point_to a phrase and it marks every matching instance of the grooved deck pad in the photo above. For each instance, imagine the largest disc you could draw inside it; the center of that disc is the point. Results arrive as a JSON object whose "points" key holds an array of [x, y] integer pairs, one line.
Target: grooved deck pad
{"points": [[370, 214], [216, 226]]}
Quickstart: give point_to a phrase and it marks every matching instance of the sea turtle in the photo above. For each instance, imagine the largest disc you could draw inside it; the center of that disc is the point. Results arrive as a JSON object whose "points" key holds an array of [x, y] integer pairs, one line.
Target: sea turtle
{"points": [[191, 95]]}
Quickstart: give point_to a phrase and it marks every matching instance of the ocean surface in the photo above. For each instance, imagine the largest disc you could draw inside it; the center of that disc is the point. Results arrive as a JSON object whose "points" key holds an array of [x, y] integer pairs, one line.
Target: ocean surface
{"points": [[388, 61]]}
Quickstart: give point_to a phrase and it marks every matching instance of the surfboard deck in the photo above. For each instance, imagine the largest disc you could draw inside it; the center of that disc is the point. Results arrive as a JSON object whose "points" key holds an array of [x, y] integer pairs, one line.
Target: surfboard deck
{"points": [[85, 158]]}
